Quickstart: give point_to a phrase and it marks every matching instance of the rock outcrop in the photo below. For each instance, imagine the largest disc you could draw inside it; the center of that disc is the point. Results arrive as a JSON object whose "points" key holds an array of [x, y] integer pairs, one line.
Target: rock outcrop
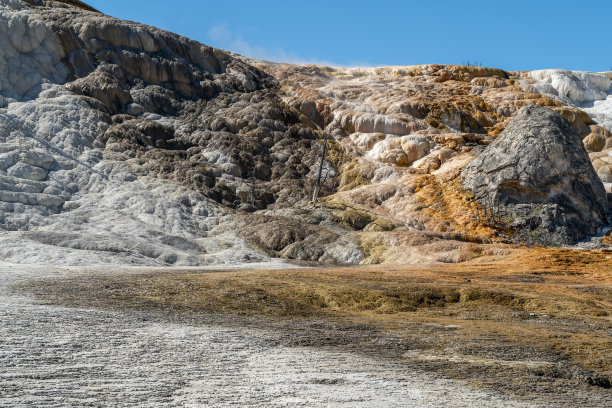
{"points": [[123, 143], [591, 92], [537, 181]]}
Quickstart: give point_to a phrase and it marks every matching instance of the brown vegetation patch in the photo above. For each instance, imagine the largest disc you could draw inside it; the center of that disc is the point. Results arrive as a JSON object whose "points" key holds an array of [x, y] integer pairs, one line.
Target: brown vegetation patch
{"points": [[450, 204], [545, 300]]}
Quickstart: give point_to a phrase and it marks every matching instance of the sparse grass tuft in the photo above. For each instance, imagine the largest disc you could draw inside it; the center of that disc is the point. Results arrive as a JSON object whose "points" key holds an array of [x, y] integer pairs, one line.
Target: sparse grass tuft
{"points": [[352, 176]]}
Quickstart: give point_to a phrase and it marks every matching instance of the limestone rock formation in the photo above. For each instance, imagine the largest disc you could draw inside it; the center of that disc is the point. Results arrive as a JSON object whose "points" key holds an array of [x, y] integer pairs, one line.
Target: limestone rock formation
{"points": [[537, 179], [123, 143]]}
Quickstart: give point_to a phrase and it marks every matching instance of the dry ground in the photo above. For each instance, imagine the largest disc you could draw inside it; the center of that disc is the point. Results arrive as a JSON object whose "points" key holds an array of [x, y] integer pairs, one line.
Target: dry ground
{"points": [[536, 323]]}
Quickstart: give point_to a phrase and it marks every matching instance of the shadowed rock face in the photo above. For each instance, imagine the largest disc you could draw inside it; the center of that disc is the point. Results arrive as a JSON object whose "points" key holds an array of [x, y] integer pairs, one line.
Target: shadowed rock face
{"points": [[537, 179]]}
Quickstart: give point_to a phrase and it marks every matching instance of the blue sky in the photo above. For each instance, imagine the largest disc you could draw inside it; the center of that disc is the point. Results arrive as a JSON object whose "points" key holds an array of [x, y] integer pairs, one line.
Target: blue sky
{"points": [[512, 35]]}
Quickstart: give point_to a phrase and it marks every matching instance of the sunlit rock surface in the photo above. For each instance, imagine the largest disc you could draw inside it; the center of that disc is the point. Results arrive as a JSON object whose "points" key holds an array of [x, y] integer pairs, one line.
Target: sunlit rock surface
{"points": [[457, 112], [30, 53], [129, 144], [537, 179], [123, 143], [591, 92]]}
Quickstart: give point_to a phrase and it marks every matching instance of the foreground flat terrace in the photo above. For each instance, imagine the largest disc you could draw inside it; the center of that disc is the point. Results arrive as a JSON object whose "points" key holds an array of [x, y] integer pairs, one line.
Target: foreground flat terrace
{"points": [[528, 324]]}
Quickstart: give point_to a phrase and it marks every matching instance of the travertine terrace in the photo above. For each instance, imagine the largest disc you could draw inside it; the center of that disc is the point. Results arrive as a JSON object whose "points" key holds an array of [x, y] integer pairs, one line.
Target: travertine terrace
{"points": [[457, 254], [127, 144]]}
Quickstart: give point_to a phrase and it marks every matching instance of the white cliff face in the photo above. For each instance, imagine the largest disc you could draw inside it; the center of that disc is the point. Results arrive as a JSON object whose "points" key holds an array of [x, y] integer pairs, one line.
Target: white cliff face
{"points": [[61, 200], [579, 86], [601, 111], [590, 91], [66, 204], [140, 148], [143, 147], [30, 54]]}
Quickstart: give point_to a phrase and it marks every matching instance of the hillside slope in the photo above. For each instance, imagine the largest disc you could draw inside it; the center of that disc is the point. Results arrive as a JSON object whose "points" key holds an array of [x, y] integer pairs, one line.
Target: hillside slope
{"points": [[411, 130], [123, 143]]}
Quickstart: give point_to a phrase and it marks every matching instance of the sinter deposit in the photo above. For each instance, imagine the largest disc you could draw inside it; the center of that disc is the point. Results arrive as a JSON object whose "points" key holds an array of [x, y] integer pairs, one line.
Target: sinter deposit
{"points": [[124, 144]]}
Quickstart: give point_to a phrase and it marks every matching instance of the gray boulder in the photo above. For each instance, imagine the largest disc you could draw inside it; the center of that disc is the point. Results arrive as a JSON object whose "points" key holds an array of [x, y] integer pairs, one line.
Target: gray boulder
{"points": [[537, 182]]}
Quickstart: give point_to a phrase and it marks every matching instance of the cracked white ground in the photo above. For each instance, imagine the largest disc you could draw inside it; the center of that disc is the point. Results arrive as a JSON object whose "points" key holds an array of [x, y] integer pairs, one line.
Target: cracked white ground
{"points": [[53, 356]]}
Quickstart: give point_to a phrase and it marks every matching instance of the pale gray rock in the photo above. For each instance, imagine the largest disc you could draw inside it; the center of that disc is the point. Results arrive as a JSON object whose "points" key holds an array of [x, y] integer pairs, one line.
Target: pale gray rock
{"points": [[537, 181], [8, 159], [26, 171], [125, 144], [366, 122], [30, 53], [38, 159]]}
